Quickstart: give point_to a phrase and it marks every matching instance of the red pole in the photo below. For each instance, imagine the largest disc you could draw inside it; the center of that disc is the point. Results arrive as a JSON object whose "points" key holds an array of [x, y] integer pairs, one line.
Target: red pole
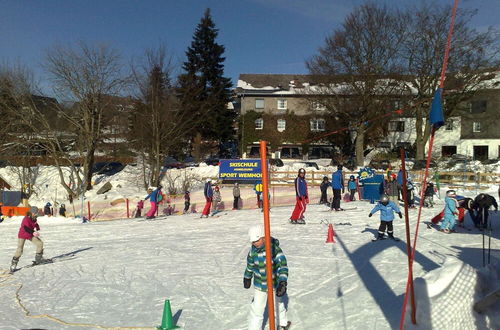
{"points": [[88, 208], [267, 232], [128, 212]]}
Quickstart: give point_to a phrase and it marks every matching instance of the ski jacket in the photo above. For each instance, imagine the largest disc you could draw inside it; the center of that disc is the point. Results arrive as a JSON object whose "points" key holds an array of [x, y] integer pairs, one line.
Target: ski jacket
{"points": [[324, 186], [216, 196], [46, 210], [258, 188], [391, 188], [236, 191], [300, 187], [28, 227], [153, 197], [399, 178], [208, 191], [429, 191], [450, 206], [386, 211], [256, 265], [351, 185], [187, 197], [485, 201], [337, 180]]}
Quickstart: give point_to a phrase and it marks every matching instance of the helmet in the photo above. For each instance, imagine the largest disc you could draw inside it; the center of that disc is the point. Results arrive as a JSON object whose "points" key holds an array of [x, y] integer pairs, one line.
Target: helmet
{"points": [[208, 180], [351, 177], [325, 178], [302, 171], [48, 204], [339, 167], [384, 200], [33, 210], [451, 193], [255, 233]]}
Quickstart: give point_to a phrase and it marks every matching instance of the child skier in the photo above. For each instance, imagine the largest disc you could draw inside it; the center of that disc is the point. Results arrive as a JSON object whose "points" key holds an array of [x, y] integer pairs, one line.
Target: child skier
{"points": [[392, 188], [47, 210], [236, 196], [187, 201], [324, 190], [139, 207], [154, 197], [450, 211], [29, 231], [256, 268], [62, 210], [351, 185], [429, 195], [216, 201], [387, 209], [209, 193], [302, 198]]}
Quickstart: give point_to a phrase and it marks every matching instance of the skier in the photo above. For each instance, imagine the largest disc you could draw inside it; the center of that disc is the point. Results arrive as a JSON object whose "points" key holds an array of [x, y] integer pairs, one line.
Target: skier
{"points": [[387, 209], [62, 210], [236, 196], [187, 201], [324, 190], [464, 203], [256, 268], [481, 205], [209, 193], [258, 191], [154, 197], [351, 185], [139, 207], [302, 198], [450, 211], [29, 231], [410, 188], [429, 195], [217, 199], [47, 210], [392, 188], [338, 188]]}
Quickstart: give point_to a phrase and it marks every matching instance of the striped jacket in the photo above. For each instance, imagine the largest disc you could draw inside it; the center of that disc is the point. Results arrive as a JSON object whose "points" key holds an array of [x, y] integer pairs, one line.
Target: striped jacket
{"points": [[256, 265]]}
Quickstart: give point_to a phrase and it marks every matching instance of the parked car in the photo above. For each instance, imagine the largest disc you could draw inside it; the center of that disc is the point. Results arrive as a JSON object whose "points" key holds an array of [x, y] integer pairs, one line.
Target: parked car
{"points": [[190, 162], [171, 162], [212, 161], [380, 164], [107, 168]]}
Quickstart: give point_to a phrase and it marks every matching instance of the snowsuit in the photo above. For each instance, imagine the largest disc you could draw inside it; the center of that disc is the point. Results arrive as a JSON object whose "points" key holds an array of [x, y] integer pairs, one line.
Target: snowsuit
{"points": [[140, 206], [482, 203], [386, 216], [463, 205], [62, 211], [302, 199], [47, 210], [187, 202], [429, 195], [209, 193], [324, 192], [236, 196], [216, 201], [256, 268], [258, 192], [450, 209], [28, 227], [338, 187], [153, 199], [351, 185]]}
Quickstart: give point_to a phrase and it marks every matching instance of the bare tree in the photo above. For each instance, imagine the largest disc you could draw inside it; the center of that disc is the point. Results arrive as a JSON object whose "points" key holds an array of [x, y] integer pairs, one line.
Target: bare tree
{"points": [[471, 55], [357, 68], [86, 75]]}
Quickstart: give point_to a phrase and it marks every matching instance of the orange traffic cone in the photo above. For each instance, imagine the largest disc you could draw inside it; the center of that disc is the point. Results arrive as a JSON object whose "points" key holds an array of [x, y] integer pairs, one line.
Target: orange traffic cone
{"points": [[329, 237]]}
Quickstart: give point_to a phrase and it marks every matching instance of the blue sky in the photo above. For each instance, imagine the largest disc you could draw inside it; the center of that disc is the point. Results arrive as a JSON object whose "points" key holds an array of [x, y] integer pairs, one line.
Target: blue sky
{"points": [[260, 36]]}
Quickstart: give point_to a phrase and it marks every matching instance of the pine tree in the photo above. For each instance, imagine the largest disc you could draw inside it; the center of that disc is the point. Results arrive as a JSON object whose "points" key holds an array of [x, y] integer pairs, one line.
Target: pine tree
{"points": [[203, 90]]}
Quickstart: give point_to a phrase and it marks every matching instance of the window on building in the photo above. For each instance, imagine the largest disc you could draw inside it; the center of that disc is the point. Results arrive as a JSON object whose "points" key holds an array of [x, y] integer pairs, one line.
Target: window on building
{"points": [[397, 104], [317, 106], [448, 151], [449, 125], [259, 103], [317, 125], [476, 127], [259, 123], [281, 104], [480, 152], [290, 152], [396, 126], [478, 106], [281, 125]]}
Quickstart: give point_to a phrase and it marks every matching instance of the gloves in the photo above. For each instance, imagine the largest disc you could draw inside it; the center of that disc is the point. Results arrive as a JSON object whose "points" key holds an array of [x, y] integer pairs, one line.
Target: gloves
{"points": [[343, 190], [36, 234], [247, 282], [281, 289], [370, 215], [400, 215]]}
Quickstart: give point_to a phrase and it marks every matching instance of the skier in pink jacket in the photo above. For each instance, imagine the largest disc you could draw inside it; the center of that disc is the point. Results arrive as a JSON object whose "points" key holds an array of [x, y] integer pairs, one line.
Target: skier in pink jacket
{"points": [[29, 231]]}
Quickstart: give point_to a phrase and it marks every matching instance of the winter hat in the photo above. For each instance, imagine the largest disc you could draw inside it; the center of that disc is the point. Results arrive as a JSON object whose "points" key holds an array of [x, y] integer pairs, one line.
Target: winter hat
{"points": [[33, 210], [48, 204], [302, 171], [255, 233], [325, 178], [209, 180], [451, 193], [339, 167], [351, 177]]}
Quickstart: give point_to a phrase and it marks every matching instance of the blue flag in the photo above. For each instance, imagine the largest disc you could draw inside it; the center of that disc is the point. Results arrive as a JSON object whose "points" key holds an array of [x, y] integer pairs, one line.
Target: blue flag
{"points": [[436, 116]]}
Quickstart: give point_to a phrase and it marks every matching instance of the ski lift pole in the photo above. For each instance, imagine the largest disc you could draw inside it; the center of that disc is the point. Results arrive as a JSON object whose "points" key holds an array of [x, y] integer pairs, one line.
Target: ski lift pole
{"points": [[267, 233]]}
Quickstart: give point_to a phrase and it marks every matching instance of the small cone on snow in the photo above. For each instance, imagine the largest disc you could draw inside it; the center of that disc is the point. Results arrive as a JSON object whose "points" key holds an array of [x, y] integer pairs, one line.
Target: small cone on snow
{"points": [[329, 237], [167, 322]]}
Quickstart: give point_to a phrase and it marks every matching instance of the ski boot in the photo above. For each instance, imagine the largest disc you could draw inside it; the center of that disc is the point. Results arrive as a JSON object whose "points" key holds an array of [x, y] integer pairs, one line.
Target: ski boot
{"points": [[301, 221], [13, 265], [379, 237], [391, 236], [40, 260]]}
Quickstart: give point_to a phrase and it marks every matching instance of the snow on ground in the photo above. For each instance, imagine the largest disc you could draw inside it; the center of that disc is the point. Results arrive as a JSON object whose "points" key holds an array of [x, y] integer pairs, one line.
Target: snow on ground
{"points": [[118, 273]]}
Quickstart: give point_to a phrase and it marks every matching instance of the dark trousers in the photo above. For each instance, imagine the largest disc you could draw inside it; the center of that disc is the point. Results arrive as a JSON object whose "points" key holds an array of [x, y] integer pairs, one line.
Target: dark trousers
{"points": [[235, 202], [186, 206], [383, 225], [336, 199], [477, 218], [351, 196], [324, 198]]}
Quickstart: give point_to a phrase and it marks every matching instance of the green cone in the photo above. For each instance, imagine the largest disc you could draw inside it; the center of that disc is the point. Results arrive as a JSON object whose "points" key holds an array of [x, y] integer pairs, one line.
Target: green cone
{"points": [[167, 322]]}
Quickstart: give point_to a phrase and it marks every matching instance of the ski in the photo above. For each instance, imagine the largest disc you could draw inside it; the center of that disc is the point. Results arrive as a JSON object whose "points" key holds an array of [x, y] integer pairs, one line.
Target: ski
{"points": [[47, 261]]}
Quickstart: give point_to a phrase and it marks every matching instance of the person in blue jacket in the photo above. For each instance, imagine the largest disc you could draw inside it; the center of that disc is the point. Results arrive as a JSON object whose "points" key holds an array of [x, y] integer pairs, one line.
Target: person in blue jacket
{"points": [[351, 185], [338, 188], [301, 197], [387, 209], [154, 197], [209, 194], [450, 211]]}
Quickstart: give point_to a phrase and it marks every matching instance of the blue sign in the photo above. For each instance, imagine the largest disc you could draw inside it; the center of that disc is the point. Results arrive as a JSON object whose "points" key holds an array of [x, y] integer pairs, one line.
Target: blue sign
{"points": [[366, 173], [240, 169], [373, 187]]}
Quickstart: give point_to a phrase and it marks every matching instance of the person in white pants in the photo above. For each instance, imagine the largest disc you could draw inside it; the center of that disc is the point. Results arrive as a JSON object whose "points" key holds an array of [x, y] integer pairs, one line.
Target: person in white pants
{"points": [[256, 268]]}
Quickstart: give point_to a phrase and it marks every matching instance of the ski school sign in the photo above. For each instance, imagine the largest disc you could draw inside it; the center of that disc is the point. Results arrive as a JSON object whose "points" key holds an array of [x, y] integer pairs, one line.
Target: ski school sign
{"points": [[240, 169]]}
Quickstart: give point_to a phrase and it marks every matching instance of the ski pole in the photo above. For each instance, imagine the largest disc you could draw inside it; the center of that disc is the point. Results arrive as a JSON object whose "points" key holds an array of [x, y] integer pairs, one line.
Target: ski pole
{"points": [[482, 226]]}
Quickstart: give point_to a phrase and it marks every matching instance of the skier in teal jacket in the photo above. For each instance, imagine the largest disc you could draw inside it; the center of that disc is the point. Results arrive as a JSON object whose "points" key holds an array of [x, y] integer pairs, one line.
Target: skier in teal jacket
{"points": [[387, 209]]}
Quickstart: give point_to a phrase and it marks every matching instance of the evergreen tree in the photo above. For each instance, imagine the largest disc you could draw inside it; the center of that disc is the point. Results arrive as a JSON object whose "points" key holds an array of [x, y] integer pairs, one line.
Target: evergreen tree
{"points": [[203, 90]]}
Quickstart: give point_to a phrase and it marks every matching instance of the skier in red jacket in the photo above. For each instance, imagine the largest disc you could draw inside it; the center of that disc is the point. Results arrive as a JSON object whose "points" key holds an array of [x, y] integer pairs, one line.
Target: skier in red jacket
{"points": [[29, 231]]}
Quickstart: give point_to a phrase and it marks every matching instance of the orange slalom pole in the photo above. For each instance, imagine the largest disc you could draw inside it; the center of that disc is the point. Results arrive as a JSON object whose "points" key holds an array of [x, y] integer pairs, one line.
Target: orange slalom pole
{"points": [[267, 232], [128, 210], [88, 207]]}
